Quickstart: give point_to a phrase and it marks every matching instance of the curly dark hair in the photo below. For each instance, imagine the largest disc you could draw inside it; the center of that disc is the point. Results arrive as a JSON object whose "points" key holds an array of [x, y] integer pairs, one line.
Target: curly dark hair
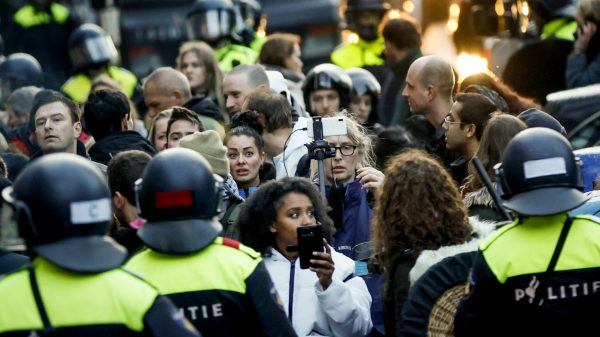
{"points": [[418, 207], [259, 211]]}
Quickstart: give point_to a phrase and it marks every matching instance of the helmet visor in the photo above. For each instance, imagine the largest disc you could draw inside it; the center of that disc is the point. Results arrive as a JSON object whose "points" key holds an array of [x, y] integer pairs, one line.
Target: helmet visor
{"points": [[96, 50], [250, 16], [137, 188], [10, 238], [324, 81], [210, 25]]}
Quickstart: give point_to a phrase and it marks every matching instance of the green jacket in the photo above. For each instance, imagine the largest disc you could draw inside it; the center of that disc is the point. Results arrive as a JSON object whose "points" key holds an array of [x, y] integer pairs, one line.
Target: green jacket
{"points": [[223, 289], [561, 28], [360, 54], [110, 303], [537, 276], [78, 87], [234, 54]]}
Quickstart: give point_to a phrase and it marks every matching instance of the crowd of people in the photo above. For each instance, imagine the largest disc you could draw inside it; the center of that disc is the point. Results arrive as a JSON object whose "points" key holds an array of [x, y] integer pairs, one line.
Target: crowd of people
{"points": [[173, 205]]}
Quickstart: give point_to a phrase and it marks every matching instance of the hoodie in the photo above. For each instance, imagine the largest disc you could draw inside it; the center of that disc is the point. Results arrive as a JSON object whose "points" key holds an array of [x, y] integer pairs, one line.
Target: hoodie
{"points": [[205, 106], [106, 148]]}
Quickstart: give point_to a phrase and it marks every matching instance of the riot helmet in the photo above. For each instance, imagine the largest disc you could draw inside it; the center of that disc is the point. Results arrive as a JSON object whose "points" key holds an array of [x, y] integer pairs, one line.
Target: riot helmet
{"points": [[364, 83], [247, 19], [549, 9], [60, 205], [211, 21], [327, 76], [90, 46], [19, 70], [180, 198], [364, 16], [539, 174]]}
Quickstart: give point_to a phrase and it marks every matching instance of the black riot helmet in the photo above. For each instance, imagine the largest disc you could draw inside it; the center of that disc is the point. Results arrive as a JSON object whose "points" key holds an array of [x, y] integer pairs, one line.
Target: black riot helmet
{"points": [[90, 46], [539, 174], [367, 30], [252, 13], [364, 83], [180, 198], [327, 76], [549, 9], [211, 21], [21, 70], [247, 19], [62, 208]]}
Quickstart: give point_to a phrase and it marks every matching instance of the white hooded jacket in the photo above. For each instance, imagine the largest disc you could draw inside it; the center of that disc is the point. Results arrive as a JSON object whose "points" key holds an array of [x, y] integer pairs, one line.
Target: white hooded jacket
{"points": [[342, 310]]}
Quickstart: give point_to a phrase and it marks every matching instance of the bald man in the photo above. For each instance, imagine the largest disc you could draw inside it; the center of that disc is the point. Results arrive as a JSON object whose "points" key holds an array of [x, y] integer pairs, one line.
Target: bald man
{"points": [[240, 82], [428, 90], [166, 87]]}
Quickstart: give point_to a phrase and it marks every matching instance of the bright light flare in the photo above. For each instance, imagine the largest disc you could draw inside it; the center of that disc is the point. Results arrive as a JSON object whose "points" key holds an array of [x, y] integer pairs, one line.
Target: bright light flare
{"points": [[452, 25], [353, 38], [454, 10], [408, 6], [499, 7], [454, 13], [394, 14], [469, 64], [525, 8]]}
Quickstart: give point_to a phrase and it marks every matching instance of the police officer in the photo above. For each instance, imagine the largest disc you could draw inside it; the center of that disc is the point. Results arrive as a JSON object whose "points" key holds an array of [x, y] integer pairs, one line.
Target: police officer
{"points": [[555, 18], [363, 18], [219, 16], [326, 90], [60, 205], [19, 70], [41, 28], [365, 96], [92, 51], [248, 16], [538, 276], [222, 286]]}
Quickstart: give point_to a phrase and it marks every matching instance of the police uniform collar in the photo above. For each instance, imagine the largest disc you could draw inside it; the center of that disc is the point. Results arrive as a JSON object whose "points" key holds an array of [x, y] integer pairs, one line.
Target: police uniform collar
{"points": [[180, 237]]}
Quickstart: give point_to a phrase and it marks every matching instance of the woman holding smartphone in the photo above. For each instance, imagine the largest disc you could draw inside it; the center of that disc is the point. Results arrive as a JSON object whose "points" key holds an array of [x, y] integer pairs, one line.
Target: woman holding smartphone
{"points": [[325, 299]]}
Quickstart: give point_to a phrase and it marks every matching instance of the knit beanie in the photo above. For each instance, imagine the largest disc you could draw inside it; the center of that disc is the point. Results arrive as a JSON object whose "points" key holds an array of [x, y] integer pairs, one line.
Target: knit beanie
{"points": [[538, 118], [209, 144]]}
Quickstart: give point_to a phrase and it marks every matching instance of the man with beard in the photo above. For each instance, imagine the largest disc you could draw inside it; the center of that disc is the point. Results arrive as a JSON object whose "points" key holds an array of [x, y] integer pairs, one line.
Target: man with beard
{"points": [[402, 41], [363, 18]]}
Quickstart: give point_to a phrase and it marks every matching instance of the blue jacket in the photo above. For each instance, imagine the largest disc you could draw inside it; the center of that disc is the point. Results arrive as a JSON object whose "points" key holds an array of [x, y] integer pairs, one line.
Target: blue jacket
{"points": [[356, 215]]}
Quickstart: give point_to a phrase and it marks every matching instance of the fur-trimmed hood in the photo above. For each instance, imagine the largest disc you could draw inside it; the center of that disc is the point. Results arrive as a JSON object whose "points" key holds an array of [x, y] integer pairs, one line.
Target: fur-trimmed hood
{"points": [[427, 258], [481, 197]]}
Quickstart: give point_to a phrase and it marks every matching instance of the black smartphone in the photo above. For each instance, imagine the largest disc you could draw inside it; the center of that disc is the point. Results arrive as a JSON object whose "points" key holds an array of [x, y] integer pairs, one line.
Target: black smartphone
{"points": [[310, 239]]}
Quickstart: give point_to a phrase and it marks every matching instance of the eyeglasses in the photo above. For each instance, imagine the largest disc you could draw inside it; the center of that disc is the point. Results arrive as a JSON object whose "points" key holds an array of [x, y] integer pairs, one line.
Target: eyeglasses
{"points": [[448, 121], [345, 150]]}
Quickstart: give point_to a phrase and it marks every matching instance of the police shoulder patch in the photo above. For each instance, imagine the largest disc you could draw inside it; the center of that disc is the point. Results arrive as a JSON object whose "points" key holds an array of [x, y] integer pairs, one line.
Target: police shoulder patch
{"points": [[237, 245], [231, 243]]}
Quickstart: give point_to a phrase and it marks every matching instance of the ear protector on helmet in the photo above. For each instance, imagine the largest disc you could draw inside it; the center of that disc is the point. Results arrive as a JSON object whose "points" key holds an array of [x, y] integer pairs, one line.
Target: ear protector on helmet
{"points": [[504, 189], [16, 224]]}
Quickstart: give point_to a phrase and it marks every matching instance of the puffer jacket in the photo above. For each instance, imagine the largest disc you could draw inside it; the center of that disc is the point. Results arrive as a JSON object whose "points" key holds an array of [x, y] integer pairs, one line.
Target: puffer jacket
{"points": [[342, 310]]}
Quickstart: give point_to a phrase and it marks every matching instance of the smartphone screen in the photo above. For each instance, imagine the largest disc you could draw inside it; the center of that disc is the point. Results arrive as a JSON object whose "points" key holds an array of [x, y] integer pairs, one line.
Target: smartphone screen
{"points": [[310, 239]]}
